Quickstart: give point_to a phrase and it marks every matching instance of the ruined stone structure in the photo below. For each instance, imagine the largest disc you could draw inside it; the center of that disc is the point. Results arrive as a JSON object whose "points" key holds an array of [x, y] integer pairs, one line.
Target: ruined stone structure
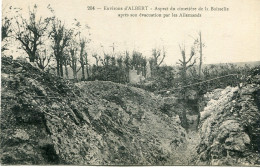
{"points": [[148, 70], [134, 78]]}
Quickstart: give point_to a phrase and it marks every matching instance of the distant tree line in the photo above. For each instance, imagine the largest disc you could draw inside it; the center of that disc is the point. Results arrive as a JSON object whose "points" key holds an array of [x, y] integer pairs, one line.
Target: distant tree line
{"points": [[47, 40]]}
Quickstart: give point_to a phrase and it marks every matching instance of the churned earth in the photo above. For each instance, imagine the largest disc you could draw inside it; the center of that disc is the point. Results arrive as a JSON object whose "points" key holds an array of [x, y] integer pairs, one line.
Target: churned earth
{"points": [[46, 120], [230, 125]]}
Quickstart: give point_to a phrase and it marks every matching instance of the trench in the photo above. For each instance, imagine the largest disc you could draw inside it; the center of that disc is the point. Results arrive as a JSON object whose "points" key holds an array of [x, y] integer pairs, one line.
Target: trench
{"points": [[190, 114], [186, 154]]}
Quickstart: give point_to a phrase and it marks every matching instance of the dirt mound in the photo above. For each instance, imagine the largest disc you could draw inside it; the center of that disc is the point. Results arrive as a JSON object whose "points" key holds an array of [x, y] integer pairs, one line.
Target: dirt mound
{"points": [[48, 120], [229, 127]]}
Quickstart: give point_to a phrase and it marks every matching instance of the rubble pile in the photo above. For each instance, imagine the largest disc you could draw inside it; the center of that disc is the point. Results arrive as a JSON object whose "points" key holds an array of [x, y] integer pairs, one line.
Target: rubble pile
{"points": [[229, 126], [48, 120]]}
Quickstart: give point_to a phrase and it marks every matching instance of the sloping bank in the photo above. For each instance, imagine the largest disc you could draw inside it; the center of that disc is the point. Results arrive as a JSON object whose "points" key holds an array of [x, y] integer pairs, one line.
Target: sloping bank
{"points": [[46, 120], [230, 125]]}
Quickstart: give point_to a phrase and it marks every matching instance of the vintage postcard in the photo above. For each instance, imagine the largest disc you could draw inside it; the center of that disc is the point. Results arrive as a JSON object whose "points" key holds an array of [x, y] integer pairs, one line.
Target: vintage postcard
{"points": [[130, 82]]}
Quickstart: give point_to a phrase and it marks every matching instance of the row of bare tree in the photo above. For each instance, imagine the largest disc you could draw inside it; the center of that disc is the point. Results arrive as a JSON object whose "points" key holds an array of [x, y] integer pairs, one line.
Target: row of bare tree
{"points": [[48, 39], [45, 39]]}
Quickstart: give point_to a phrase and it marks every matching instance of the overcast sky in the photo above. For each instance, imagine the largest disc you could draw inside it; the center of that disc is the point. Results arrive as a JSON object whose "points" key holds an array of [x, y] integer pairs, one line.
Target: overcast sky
{"points": [[232, 36]]}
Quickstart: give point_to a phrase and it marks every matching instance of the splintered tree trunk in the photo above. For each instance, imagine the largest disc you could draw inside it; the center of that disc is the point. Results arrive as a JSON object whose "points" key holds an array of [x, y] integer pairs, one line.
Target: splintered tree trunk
{"points": [[61, 69], [58, 67], [83, 71], [184, 75], [184, 115], [31, 59]]}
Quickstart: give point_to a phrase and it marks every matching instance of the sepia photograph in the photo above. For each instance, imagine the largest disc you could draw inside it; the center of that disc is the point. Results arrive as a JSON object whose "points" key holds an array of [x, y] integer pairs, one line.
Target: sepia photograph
{"points": [[130, 83]]}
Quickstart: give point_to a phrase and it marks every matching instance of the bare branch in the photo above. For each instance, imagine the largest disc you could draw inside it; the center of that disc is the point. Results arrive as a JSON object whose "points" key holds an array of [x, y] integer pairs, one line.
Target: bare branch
{"points": [[191, 64], [191, 55]]}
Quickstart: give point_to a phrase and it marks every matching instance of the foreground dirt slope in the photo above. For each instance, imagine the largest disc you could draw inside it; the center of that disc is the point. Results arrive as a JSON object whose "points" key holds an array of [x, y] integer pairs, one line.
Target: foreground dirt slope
{"points": [[230, 125], [46, 120]]}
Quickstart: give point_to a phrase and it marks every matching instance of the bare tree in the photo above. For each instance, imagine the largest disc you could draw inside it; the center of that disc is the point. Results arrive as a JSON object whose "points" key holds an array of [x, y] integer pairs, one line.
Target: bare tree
{"points": [[73, 59], [43, 59], [6, 24], [96, 57], [157, 54], [60, 37], [127, 65], [29, 32], [86, 63], [157, 59], [186, 63], [83, 56], [66, 63], [106, 60], [82, 61], [198, 46], [81, 42], [137, 62]]}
